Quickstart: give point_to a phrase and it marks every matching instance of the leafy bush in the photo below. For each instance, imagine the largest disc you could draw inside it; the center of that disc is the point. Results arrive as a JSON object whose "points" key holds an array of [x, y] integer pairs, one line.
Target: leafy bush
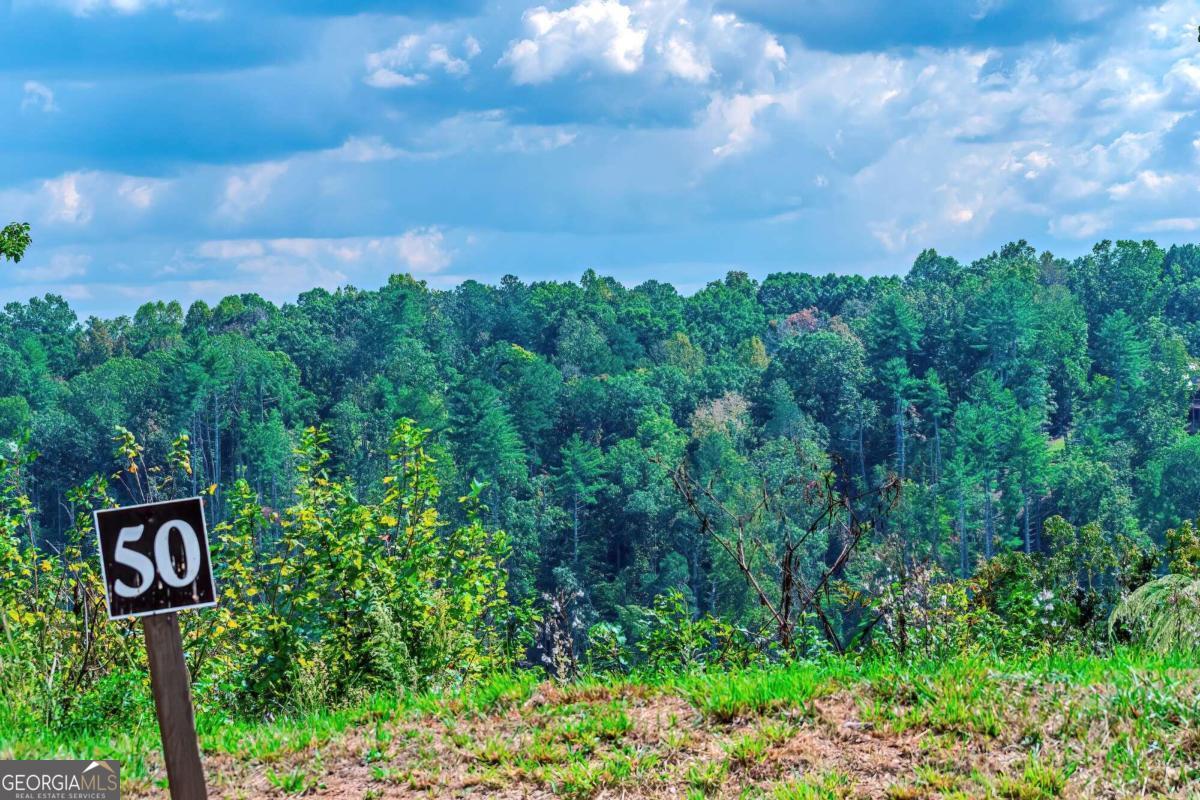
{"points": [[1163, 615], [673, 639], [607, 649], [353, 596], [931, 615], [57, 644], [321, 603], [1014, 603]]}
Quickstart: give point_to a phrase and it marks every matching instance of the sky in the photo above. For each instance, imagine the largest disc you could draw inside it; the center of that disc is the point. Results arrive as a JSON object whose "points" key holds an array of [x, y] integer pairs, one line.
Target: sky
{"points": [[190, 149]]}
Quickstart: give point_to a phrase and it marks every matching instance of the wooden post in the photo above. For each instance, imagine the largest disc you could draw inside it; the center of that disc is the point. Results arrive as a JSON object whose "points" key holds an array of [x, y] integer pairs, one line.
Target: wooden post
{"points": [[173, 702]]}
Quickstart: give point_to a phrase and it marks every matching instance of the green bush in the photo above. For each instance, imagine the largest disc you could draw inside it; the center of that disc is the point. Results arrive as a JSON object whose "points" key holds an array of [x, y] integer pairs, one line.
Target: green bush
{"points": [[321, 604], [1163, 615]]}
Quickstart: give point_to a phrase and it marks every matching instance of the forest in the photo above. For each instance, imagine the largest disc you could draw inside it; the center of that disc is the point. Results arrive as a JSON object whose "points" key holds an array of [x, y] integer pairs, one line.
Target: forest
{"points": [[409, 487]]}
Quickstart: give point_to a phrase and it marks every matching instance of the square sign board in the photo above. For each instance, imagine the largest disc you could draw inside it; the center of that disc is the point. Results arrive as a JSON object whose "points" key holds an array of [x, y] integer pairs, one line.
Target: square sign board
{"points": [[154, 558]]}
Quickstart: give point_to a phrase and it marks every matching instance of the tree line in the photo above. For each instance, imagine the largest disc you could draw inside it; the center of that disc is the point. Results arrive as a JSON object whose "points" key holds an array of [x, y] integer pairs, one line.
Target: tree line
{"points": [[636, 443]]}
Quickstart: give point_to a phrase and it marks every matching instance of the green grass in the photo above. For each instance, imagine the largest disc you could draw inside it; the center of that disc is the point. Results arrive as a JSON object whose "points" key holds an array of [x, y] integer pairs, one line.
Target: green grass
{"points": [[298, 780], [1125, 721], [825, 786], [727, 697]]}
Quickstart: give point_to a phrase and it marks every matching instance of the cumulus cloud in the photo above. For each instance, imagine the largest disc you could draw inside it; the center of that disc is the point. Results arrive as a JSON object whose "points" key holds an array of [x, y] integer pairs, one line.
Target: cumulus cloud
{"points": [[66, 202], [1146, 183], [422, 250], [415, 57], [663, 39], [596, 34], [684, 60], [573, 130], [733, 120]]}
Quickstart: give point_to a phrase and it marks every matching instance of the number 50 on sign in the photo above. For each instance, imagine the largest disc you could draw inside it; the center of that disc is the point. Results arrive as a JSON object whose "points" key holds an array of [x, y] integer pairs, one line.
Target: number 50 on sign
{"points": [[154, 558]]}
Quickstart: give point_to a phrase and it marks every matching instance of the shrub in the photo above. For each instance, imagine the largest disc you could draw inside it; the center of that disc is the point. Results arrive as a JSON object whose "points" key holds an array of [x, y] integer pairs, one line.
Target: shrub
{"points": [[607, 650], [1163, 615], [320, 604]]}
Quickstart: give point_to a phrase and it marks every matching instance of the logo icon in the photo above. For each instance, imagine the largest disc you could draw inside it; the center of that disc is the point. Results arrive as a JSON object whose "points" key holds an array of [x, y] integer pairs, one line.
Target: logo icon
{"points": [[60, 780]]}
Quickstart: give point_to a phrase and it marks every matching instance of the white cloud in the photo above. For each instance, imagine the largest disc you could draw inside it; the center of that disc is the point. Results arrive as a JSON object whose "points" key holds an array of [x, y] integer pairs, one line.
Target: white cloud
{"points": [[491, 131], [661, 39], [139, 193], [683, 60], [1172, 225], [1146, 183], [66, 203], [248, 189], [1083, 225], [439, 56], [281, 268], [413, 59], [390, 79], [710, 121], [418, 250], [366, 149], [595, 33], [773, 50], [732, 119], [38, 96], [421, 250]]}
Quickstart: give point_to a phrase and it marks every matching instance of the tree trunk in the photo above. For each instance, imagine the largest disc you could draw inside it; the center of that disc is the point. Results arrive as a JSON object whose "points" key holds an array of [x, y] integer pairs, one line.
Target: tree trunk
{"points": [[575, 532], [862, 460], [1028, 540], [937, 451], [217, 455], [963, 555], [989, 530]]}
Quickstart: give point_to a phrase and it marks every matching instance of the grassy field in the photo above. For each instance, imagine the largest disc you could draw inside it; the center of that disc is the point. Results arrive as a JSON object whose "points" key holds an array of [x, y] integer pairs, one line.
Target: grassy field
{"points": [[1122, 726]]}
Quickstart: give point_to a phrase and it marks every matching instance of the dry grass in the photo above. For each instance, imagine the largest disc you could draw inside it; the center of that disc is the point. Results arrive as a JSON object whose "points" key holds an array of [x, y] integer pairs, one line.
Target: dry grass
{"points": [[956, 731]]}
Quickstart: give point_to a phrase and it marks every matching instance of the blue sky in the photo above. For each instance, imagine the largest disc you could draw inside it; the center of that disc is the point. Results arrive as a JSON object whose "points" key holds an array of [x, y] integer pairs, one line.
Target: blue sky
{"points": [[195, 148]]}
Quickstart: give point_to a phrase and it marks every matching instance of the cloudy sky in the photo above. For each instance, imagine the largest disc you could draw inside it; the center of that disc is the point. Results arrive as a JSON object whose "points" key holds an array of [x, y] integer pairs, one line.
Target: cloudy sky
{"points": [[196, 148]]}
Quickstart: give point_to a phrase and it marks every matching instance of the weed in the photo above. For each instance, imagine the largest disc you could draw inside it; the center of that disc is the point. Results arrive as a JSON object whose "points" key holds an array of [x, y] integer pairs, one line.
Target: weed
{"points": [[707, 777], [747, 750], [294, 781], [825, 786], [1039, 780]]}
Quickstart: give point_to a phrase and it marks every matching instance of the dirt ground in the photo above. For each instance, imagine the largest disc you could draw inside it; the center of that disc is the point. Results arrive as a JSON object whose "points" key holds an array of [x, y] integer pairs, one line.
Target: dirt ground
{"points": [[637, 743]]}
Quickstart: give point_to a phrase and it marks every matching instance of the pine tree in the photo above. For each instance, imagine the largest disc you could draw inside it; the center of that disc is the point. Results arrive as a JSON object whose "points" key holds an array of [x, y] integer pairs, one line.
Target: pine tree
{"points": [[899, 383], [488, 446], [937, 405], [579, 480]]}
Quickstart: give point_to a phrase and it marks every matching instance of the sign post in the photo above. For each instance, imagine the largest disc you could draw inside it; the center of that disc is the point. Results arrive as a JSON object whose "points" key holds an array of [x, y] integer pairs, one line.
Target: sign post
{"points": [[154, 560]]}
